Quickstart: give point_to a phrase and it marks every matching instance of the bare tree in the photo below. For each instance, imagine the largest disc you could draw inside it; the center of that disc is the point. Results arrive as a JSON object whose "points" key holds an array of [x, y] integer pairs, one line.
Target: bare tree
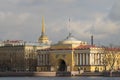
{"points": [[111, 57], [104, 61]]}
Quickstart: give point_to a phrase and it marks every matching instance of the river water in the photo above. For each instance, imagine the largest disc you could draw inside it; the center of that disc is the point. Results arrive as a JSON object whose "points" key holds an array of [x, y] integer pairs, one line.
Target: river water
{"points": [[59, 78]]}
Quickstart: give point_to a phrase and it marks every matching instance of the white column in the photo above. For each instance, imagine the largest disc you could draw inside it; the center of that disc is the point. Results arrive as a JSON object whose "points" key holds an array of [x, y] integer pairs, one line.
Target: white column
{"points": [[94, 58], [83, 56], [81, 59], [98, 58], [86, 59], [101, 60], [77, 59]]}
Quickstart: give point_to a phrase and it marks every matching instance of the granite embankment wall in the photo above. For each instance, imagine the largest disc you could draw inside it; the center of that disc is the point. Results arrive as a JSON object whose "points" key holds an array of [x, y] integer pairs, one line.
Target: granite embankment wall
{"points": [[112, 74], [91, 74], [52, 74], [5, 74]]}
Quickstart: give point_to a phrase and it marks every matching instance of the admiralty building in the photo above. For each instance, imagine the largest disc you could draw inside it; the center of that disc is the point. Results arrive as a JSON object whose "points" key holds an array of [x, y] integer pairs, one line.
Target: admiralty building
{"points": [[68, 55]]}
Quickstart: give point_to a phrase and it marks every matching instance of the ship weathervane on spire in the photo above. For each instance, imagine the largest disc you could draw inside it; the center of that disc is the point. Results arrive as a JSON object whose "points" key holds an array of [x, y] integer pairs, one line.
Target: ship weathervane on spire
{"points": [[69, 29], [70, 33]]}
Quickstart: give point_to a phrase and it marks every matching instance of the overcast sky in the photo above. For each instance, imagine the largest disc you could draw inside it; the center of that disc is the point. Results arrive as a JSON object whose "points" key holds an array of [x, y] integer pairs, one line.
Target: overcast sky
{"points": [[21, 20]]}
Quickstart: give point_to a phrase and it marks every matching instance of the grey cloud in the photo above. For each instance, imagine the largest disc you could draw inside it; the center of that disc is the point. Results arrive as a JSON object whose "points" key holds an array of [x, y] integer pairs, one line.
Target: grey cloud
{"points": [[18, 26], [115, 12], [21, 19]]}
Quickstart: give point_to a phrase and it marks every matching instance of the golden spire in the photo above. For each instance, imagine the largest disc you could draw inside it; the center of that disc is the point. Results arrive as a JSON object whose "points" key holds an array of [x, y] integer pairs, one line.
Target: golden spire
{"points": [[43, 26], [43, 38]]}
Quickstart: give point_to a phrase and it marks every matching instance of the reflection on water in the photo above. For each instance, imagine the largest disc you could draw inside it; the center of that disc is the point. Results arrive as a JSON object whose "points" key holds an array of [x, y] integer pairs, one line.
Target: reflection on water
{"points": [[59, 78]]}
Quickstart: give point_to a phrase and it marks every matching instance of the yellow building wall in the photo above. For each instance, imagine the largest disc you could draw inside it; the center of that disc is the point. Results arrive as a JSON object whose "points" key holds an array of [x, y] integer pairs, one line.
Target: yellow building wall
{"points": [[55, 57]]}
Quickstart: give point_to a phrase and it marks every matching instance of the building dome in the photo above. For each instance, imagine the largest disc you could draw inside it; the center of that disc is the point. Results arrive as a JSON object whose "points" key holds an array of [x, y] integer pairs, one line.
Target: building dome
{"points": [[43, 37], [71, 40]]}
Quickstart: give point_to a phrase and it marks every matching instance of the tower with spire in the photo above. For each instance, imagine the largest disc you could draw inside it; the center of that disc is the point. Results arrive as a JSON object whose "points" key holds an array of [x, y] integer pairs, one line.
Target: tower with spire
{"points": [[43, 38]]}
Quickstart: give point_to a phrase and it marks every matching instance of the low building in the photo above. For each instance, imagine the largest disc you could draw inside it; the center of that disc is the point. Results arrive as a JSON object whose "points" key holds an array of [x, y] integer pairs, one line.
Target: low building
{"points": [[18, 55]]}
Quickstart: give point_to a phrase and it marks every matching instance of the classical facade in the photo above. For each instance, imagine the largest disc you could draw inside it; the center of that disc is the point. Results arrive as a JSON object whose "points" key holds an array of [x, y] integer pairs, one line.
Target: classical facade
{"points": [[70, 55], [18, 55]]}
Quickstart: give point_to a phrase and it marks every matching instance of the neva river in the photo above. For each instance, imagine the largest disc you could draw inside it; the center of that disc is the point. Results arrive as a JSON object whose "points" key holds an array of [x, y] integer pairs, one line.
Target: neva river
{"points": [[59, 78]]}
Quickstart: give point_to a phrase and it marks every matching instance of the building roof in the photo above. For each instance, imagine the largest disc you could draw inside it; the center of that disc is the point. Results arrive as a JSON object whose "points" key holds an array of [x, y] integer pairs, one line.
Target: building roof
{"points": [[85, 46], [71, 40], [112, 49], [21, 43]]}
